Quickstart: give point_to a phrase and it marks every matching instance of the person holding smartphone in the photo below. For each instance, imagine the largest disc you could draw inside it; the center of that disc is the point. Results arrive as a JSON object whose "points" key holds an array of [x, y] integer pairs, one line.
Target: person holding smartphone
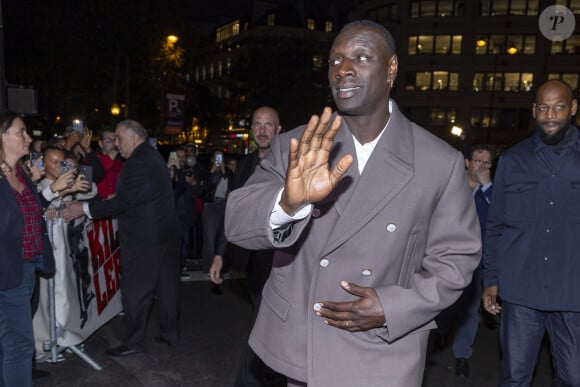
{"points": [[110, 160], [25, 249], [217, 185], [78, 139]]}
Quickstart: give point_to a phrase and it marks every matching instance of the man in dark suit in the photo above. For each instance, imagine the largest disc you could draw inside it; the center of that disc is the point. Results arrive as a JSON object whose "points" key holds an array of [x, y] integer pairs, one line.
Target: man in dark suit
{"points": [[265, 126], [149, 234], [478, 168]]}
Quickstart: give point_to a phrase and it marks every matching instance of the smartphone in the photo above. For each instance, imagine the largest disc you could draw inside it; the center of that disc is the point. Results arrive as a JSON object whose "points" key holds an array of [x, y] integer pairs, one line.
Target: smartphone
{"points": [[65, 166], [172, 155], [78, 126], [153, 142], [219, 158], [35, 156], [87, 171]]}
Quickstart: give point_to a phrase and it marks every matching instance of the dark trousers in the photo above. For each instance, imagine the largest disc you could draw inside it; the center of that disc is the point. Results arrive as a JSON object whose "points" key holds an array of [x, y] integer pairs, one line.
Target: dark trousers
{"points": [[155, 270], [521, 333], [214, 242], [253, 372]]}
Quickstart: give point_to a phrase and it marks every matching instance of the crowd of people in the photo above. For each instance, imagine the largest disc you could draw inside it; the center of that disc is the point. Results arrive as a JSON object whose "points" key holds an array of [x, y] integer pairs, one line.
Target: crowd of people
{"points": [[360, 230]]}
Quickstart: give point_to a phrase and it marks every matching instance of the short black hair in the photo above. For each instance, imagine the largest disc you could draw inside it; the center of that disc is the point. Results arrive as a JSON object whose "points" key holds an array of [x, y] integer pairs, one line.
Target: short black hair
{"points": [[51, 148], [480, 148], [378, 28]]}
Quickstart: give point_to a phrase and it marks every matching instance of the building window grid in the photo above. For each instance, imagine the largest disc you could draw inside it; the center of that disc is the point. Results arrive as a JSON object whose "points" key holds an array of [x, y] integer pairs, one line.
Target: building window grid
{"points": [[384, 13], [509, 7], [317, 63], [509, 82], [499, 44], [432, 81], [328, 26], [500, 118], [439, 116], [422, 8], [573, 79], [572, 5], [570, 46], [435, 44], [227, 31]]}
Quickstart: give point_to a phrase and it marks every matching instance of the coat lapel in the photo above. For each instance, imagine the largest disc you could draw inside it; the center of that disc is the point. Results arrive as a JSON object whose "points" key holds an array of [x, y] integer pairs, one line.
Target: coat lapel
{"points": [[387, 172]]}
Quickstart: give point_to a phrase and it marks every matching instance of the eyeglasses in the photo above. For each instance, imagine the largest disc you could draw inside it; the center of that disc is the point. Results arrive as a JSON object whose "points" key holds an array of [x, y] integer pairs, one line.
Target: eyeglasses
{"points": [[266, 125], [486, 164]]}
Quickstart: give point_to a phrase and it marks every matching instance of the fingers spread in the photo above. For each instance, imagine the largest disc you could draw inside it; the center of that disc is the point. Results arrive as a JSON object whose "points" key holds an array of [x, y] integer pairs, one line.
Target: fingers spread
{"points": [[306, 138], [321, 129], [293, 156], [328, 137]]}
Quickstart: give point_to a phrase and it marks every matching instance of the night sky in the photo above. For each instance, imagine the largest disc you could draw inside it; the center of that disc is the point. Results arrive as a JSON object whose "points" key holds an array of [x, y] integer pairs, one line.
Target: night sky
{"points": [[67, 49]]}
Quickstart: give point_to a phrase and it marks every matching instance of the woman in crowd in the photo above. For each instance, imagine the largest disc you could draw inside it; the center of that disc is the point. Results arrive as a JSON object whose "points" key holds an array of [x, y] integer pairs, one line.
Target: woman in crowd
{"points": [[25, 247]]}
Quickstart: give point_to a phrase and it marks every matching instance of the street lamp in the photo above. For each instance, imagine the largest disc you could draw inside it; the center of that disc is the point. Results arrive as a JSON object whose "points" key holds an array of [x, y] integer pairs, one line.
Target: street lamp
{"points": [[115, 109], [172, 39]]}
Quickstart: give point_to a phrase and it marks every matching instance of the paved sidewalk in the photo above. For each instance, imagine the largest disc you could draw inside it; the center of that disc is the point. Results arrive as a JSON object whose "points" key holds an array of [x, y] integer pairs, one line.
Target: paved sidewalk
{"points": [[214, 333]]}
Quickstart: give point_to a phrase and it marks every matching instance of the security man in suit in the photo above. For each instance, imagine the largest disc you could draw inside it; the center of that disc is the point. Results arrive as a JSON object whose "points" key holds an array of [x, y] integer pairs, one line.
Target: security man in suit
{"points": [[149, 234]]}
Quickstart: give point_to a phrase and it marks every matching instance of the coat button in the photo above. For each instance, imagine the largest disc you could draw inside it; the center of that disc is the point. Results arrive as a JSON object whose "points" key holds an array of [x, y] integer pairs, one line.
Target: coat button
{"points": [[317, 306], [391, 227], [324, 262], [366, 272], [315, 213]]}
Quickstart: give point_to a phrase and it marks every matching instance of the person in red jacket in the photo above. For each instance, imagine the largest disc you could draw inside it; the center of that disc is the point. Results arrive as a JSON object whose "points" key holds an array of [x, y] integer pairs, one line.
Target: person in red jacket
{"points": [[112, 164]]}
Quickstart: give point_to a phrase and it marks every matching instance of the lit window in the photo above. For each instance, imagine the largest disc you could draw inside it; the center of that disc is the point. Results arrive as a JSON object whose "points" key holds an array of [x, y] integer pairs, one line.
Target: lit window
{"points": [[456, 44], [328, 26], [310, 25], [505, 45], [570, 46], [507, 82], [425, 44], [420, 8], [436, 80], [434, 44], [510, 7], [271, 20], [317, 62], [442, 44], [511, 82], [440, 80], [227, 31], [439, 116]]}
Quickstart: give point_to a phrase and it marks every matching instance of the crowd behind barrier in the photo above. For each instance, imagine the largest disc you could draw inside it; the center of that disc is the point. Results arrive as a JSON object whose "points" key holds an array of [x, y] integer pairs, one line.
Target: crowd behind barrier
{"points": [[86, 281]]}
